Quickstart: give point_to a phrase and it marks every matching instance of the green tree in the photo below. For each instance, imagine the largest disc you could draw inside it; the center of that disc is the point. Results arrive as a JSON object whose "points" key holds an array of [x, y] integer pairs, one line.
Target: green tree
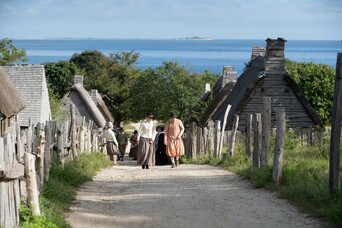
{"points": [[60, 76], [169, 87], [94, 66], [10, 54], [317, 82], [112, 76]]}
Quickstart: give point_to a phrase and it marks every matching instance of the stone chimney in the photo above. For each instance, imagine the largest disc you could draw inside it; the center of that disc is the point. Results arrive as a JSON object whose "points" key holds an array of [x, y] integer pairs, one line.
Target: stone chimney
{"points": [[275, 58], [207, 87], [228, 75], [93, 95], [78, 79], [258, 50]]}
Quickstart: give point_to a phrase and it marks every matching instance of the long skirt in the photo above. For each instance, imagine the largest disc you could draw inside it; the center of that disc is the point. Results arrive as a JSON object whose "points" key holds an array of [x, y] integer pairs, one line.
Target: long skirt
{"points": [[133, 153], [146, 152], [111, 150]]}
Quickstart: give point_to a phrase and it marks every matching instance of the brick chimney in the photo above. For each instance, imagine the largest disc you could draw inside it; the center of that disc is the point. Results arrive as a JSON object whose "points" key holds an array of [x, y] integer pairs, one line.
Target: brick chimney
{"points": [[258, 50], [228, 75], [275, 58], [78, 79]]}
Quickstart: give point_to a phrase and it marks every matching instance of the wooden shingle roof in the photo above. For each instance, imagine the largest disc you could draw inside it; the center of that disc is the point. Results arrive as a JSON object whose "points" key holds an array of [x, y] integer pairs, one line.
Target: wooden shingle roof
{"points": [[31, 84], [10, 100]]}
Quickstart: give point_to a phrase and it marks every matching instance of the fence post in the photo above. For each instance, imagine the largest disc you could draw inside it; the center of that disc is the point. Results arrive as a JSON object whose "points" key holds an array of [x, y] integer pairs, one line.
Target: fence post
{"points": [[257, 140], [73, 132], [60, 145], [193, 137], [211, 140], [199, 140], [223, 129], [279, 147], [41, 156], [335, 143], [266, 132], [233, 135], [205, 140], [249, 135], [31, 184], [217, 138], [47, 157]]}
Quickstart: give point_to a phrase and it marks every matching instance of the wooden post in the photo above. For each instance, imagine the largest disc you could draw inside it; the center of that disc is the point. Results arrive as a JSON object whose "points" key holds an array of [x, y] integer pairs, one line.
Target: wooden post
{"points": [[233, 135], [279, 147], [205, 139], [217, 138], [81, 139], [257, 140], [249, 135], [29, 139], [20, 148], [266, 132], [60, 146], [211, 140], [199, 140], [47, 157], [31, 184], [223, 129], [73, 132], [40, 157], [335, 143], [193, 137]]}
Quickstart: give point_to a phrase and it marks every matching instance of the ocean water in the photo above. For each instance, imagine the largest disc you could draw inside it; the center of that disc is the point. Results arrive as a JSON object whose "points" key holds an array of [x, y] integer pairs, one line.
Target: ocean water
{"points": [[195, 55]]}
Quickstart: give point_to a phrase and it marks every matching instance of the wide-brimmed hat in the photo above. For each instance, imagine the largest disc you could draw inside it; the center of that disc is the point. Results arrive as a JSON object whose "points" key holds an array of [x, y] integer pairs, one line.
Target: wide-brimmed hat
{"points": [[172, 115], [149, 115]]}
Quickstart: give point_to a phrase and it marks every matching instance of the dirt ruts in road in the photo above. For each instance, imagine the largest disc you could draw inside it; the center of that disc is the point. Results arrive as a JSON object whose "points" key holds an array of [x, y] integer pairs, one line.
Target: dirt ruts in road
{"points": [[188, 196]]}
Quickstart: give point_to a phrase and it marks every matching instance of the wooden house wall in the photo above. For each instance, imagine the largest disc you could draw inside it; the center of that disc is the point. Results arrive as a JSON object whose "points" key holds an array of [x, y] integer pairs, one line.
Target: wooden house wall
{"points": [[283, 97]]}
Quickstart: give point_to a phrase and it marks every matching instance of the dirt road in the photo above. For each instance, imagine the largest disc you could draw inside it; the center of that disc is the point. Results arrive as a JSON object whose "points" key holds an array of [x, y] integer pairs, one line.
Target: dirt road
{"points": [[187, 196]]}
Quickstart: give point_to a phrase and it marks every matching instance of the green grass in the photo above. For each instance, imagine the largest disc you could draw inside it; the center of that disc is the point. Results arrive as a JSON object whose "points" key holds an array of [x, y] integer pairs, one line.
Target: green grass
{"points": [[60, 190], [304, 180]]}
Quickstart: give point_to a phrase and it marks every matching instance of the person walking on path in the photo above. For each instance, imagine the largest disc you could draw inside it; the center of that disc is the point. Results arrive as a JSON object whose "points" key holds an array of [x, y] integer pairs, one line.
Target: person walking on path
{"points": [[174, 130], [161, 157], [111, 142], [123, 141], [133, 153], [146, 150]]}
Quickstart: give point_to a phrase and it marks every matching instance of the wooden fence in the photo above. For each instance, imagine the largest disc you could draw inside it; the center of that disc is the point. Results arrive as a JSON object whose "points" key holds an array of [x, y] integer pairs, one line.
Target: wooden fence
{"points": [[25, 160], [212, 140]]}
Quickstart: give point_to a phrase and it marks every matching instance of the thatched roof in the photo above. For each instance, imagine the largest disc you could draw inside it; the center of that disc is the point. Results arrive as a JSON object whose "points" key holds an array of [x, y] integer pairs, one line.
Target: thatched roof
{"points": [[241, 91], [10, 101], [217, 101], [101, 105], [90, 105]]}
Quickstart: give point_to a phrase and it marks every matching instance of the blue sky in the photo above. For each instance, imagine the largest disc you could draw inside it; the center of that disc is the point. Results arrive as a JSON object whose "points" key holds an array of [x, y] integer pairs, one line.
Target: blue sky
{"points": [[222, 19]]}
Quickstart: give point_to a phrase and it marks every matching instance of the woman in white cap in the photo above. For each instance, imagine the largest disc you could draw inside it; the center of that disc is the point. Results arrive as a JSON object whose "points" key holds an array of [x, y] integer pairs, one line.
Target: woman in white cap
{"points": [[146, 134], [111, 142]]}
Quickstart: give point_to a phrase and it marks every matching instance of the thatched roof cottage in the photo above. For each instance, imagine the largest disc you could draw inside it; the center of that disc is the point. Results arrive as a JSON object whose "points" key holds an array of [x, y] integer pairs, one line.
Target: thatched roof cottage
{"points": [[31, 84], [85, 106], [266, 76]]}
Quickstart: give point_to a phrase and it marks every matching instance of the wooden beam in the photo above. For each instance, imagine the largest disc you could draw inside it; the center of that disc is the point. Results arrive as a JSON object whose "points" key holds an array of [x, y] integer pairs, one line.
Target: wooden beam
{"points": [[335, 143]]}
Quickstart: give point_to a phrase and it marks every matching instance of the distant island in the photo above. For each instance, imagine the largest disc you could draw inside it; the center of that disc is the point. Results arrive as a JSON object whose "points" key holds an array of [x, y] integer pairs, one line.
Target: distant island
{"points": [[196, 38]]}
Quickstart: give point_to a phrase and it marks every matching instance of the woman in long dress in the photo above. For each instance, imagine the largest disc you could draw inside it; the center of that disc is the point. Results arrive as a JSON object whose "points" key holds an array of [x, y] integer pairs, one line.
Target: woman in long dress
{"points": [[133, 153], [146, 133], [111, 142], [174, 130]]}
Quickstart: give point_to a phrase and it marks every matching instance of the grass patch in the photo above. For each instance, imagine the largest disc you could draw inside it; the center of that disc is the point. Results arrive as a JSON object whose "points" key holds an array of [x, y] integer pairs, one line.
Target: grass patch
{"points": [[60, 190], [304, 180]]}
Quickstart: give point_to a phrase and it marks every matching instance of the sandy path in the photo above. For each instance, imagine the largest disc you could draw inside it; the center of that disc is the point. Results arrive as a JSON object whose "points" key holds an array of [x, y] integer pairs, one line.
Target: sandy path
{"points": [[188, 196]]}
